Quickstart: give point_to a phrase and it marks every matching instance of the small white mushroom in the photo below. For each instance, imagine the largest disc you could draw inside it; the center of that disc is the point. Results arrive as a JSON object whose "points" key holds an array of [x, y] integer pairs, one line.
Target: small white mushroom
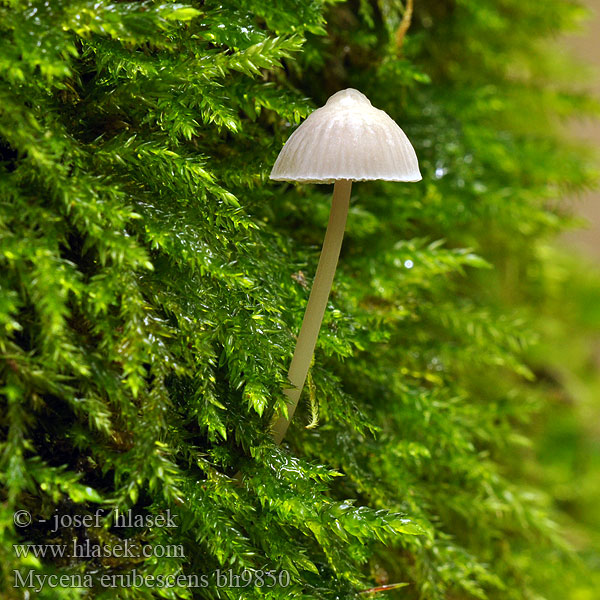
{"points": [[346, 140]]}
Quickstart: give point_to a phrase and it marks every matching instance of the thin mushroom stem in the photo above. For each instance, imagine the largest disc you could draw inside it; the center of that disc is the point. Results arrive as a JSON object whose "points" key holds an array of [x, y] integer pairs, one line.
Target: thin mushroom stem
{"points": [[317, 303]]}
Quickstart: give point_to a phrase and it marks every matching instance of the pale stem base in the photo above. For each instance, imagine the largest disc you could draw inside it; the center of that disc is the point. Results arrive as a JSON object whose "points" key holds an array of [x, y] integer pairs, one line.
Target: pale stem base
{"points": [[317, 303]]}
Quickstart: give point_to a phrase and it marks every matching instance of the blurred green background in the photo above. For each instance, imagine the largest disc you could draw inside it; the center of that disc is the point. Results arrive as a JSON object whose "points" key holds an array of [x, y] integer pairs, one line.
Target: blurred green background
{"points": [[568, 430]]}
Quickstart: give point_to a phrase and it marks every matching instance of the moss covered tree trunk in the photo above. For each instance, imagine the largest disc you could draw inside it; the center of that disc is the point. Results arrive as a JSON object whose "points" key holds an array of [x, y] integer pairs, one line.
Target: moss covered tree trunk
{"points": [[153, 282]]}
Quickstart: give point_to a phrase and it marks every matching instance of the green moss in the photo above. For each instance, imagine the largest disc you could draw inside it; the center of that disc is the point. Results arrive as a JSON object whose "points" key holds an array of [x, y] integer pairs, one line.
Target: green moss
{"points": [[153, 281]]}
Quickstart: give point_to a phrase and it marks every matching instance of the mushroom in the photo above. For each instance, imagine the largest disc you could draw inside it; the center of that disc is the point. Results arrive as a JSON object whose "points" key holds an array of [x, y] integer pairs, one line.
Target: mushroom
{"points": [[346, 140]]}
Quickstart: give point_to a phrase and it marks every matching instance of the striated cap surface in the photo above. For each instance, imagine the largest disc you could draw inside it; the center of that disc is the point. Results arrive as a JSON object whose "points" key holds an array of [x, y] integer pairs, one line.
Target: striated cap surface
{"points": [[348, 138]]}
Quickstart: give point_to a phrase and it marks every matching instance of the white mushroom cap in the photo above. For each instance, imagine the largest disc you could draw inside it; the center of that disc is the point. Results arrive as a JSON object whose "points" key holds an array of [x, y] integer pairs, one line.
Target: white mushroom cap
{"points": [[348, 138]]}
